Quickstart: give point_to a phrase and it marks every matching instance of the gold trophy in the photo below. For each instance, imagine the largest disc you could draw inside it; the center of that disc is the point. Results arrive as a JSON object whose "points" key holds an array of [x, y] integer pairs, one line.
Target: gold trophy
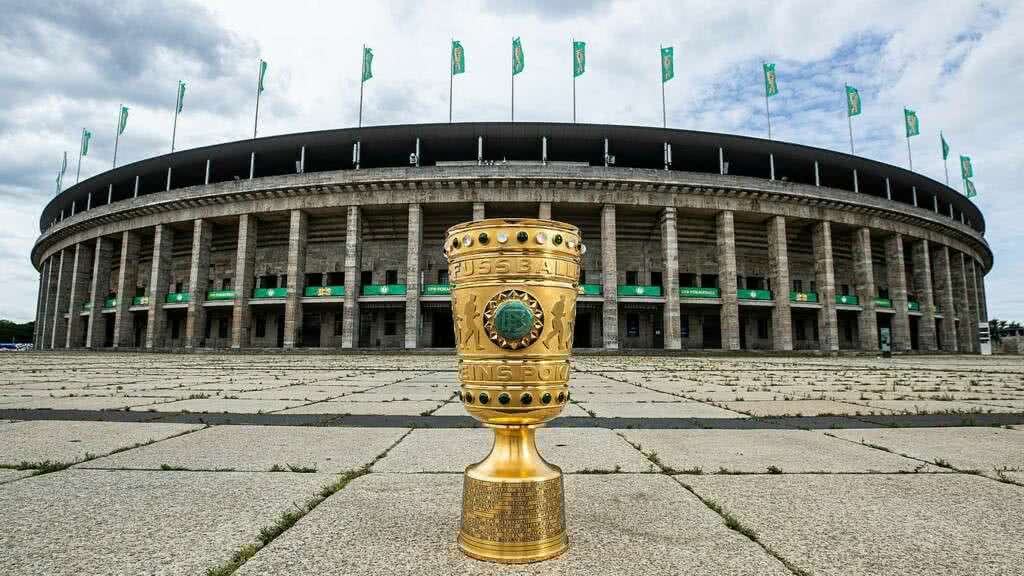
{"points": [[514, 286]]}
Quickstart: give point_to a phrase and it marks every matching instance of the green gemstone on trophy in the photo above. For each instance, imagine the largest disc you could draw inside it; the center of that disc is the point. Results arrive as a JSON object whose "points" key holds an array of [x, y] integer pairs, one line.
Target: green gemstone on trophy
{"points": [[513, 320]]}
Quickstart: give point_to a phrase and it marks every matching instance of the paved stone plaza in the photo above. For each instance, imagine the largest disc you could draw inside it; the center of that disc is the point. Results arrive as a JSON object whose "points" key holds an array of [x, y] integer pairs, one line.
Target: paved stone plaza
{"points": [[351, 464]]}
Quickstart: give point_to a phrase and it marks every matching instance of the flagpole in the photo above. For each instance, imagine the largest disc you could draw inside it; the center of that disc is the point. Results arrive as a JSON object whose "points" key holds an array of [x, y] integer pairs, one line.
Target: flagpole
{"points": [[767, 109], [451, 76], [664, 116], [78, 171], [174, 130], [256, 121], [513, 81], [572, 46], [362, 80], [849, 118], [945, 164], [117, 133]]}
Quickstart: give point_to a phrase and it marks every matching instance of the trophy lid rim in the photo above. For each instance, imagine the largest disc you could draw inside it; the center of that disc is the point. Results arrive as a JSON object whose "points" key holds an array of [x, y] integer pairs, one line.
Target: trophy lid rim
{"points": [[524, 222]]}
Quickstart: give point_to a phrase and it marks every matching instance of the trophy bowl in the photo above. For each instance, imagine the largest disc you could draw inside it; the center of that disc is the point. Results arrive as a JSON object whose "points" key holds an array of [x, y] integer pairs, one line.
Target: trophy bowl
{"points": [[514, 286]]}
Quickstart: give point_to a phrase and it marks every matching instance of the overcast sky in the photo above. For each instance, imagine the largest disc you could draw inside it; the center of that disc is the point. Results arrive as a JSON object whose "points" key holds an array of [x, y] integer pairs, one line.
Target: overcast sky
{"points": [[69, 65]]}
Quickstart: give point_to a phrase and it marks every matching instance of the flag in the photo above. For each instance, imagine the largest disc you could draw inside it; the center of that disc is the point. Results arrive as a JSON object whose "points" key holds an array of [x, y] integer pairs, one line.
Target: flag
{"points": [[64, 165], [263, 74], [668, 64], [945, 146], [458, 58], [367, 63], [852, 101], [181, 92], [579, 58], [771, 85], [518, 60], [122, 123], [913, 127], [966, 169], [969, 190], [86, 136]]}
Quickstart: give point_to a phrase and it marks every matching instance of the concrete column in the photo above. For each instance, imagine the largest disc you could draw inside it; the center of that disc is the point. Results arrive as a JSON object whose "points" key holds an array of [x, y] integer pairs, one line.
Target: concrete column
{"points": [[979, 272], [544, 212], [825, 278], [478, 211], [412, 276], [972, 297], [778, 268], [100, 288], [53, 264], [245, 269], [610, 278], [80, 272], [353, 263], [298, 228], [959, 272], [159, 277], [730, 311], [198, 283], [944, 295], [864, 282], [670, 278], [59, 334], [37, 328], [926, 298], [127, 281], [896, 271]]}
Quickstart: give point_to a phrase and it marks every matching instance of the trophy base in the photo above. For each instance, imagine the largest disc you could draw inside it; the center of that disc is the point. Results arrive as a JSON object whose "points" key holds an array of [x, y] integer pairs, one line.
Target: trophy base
{"points": [[513, 506]]}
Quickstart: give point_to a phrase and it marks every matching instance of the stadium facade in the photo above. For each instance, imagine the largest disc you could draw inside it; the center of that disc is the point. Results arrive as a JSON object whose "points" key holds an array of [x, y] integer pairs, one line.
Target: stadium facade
{"points": [[333, 239]]}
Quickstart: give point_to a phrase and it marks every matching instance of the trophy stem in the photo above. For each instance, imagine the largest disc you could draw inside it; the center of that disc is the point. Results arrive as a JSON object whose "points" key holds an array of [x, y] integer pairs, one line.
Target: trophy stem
{"points": [[513, 507]]}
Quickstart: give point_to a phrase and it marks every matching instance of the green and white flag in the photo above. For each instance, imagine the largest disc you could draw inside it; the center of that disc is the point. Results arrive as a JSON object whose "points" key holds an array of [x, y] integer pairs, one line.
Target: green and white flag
{"points": [[771, 84], [579, 58], [668, 64], [852, 101], [966, 168], [969, 190], [367, 63], [181, 93], [122, 123], [945, 146], [913, 126], [263, 74], [458, 58], [518, 59], [86, 136], [63, 169]]}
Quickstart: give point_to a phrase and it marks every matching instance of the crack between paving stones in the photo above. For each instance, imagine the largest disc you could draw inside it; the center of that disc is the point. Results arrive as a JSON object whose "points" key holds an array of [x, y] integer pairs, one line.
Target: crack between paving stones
{"points": [[290, 518]]}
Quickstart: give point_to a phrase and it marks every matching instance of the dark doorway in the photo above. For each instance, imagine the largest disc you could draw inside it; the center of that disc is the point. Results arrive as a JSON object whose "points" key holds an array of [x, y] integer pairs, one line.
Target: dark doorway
{"points": [[581, 331], [743, 333], [915, 343], [442, 331], [139, 330], [280, 330], [711, 331], [658, 324], [311, 329], [108, 330]]}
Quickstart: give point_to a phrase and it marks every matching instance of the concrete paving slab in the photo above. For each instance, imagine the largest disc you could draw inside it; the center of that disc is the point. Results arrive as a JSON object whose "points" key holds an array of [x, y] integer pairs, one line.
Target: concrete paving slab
{"points": [[969, 448], [64, 442], [302, 392], [801, 408], [571, 449], [7, 475], [79, 522], [259, 448], [1016, 404], [868, 524], [220, 405], [633, 524], [436, 395], [710, 451], [400, 408], [936, 407], [681, 409], [79, 403]]}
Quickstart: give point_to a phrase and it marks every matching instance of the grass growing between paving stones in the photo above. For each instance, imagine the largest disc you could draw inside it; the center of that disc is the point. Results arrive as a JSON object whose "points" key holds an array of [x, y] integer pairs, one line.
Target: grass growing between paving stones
{"points": [[289, 518]]}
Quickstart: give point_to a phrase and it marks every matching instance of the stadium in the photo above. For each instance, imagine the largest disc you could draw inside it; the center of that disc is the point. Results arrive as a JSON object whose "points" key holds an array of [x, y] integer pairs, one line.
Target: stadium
{"points": [[333, 240]]}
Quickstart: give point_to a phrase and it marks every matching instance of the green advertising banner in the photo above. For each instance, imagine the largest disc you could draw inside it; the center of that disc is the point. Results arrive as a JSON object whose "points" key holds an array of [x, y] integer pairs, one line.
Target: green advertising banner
{"points": [[437, 290], [695, 292], [628, 291], [323, 291]]}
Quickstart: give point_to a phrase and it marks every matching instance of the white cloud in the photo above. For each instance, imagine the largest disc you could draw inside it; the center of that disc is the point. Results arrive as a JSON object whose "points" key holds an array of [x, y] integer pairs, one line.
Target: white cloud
{"points": [[958, 63]]}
